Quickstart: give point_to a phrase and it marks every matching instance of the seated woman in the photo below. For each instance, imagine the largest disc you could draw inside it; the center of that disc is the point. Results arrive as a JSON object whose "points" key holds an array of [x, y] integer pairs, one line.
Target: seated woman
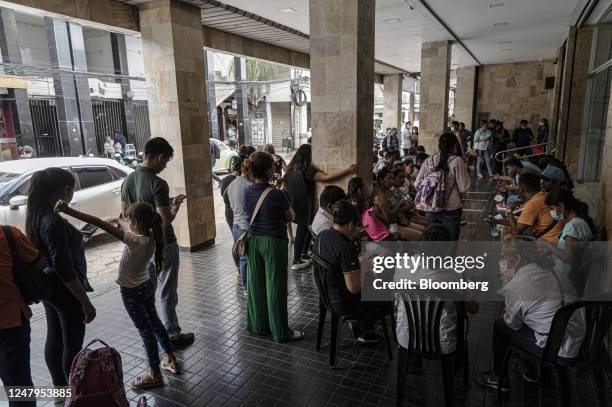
{"points": [[532, 297], [394, 209], [414, 220], [578, 227], [336, 246], [372, 219]]}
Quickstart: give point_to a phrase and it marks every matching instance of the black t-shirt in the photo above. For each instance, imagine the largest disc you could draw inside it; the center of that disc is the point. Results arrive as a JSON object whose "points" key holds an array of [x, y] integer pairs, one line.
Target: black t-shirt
{"points": [[522, 137], [341, 253], [270, 220], [300, 188]]}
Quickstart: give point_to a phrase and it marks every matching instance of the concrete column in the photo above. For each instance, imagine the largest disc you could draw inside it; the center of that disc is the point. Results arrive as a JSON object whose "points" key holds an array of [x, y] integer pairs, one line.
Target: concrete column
{"points": [[74, 111], [465, 96], [120, 62], [11, 54], [342, 74], [174, 69], [392, 95], [433, 109], [244, 122]]}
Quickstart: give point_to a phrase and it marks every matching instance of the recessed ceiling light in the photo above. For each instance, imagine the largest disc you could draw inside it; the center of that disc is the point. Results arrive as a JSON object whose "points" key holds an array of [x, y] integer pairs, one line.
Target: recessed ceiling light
{"points": [[495, 5], [286, 10], [505, 23], [392, 20], [504, 42]]}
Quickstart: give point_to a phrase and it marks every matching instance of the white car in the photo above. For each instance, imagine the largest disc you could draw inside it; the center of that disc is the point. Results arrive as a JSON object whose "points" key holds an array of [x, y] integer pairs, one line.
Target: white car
{"points": [[97, 187], [225, 161]]}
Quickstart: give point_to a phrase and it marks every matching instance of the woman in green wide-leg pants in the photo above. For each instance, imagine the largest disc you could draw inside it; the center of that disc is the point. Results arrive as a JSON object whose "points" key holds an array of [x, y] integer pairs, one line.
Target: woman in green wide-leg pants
{"points": [[267, 288]]}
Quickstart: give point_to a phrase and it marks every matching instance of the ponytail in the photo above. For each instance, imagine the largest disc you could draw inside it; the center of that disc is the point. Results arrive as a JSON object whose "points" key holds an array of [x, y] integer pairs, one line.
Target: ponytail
{"points": [[157, 231]]}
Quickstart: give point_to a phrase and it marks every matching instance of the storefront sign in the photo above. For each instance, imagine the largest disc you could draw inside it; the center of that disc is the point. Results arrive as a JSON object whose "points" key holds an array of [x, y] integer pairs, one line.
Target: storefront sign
{"points": [[13, 82]]}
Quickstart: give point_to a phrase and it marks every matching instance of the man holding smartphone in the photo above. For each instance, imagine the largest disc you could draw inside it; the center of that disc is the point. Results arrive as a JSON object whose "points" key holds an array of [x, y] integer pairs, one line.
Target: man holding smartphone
{"points": [[144, 185]]}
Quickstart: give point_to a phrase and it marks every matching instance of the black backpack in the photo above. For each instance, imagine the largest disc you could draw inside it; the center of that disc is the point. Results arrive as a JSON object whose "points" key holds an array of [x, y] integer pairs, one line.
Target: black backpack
{"points": [[33, 284]]}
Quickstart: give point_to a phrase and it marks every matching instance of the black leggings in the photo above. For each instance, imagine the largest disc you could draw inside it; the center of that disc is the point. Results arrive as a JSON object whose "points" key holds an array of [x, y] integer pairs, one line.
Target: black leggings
{"points": [[302, 242], [65, 333]]}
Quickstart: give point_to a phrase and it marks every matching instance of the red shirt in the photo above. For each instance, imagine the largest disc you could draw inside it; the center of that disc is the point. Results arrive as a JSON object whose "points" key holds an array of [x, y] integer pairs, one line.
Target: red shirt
{"points": [[12, 305]]}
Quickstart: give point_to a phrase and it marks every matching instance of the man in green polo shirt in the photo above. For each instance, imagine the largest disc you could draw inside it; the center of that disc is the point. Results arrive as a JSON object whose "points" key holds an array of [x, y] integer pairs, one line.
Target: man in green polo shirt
{"points": [[144, 185]]}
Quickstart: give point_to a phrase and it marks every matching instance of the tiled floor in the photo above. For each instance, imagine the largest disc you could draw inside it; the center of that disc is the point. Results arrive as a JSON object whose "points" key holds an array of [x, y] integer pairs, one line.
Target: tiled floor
{"points": [[227, 366]]}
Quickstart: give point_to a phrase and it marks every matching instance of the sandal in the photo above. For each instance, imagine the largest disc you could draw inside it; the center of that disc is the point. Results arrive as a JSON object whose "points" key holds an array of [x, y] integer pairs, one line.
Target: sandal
{"points": [[296, 335], [146, 381], [170, 364]]}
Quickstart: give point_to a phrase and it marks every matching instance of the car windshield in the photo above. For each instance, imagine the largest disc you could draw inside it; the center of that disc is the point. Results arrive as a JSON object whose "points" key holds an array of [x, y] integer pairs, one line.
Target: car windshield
{"points": [[220, 144], [7, 180]]}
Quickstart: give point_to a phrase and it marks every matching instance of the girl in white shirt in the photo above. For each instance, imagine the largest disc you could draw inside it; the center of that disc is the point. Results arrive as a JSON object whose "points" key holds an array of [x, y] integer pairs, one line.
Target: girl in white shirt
{"points": [[143, 238]]}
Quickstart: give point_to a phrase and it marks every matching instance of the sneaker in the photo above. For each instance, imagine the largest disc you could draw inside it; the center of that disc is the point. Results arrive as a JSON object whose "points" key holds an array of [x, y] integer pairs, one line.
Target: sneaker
{"points": [[181, 341], [368, 337], [354, 329], [529, 374], [246, 294], [298, 265], [490, 380], [501, 207]]}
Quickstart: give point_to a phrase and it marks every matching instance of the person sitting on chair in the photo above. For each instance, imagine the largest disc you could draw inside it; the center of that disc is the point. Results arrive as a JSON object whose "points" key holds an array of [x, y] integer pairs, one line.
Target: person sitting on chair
{"points": [[336, 246], [532, 296], [323, 218]]}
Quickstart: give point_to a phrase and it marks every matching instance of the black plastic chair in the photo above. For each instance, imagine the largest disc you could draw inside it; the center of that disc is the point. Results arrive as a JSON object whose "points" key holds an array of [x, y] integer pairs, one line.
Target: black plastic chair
{"points": [[424, 316], [320, 267], [591, 356]]}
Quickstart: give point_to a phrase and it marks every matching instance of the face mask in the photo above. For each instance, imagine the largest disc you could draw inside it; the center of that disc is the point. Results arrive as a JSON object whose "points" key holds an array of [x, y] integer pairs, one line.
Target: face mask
{"points": [[523, 126], [555, 215], [452, 128]]}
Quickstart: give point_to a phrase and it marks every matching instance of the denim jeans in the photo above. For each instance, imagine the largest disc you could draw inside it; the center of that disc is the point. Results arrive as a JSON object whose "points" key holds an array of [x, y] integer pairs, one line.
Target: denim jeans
{"points": [[139, 303], [237, 231], [452, 219], [15, 359], [167, 281], [483, 154]]}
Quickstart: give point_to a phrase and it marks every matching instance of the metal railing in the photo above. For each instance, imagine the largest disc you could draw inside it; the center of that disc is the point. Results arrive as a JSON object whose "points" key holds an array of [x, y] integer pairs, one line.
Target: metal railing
{"points": [[499, 156]]}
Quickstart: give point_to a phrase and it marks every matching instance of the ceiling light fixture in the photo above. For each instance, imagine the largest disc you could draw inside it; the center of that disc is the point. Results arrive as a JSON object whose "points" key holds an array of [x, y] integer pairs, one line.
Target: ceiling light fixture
{"points": [[392, 20], [495, 5], [286, 10], [505, 23]]}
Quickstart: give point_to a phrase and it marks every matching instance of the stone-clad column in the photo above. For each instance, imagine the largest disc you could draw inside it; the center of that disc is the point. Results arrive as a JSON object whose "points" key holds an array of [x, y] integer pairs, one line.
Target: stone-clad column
{"points": [[465, 96], [342, 78], [11, 56], [433, 109], [392, 95], [173, 53]]}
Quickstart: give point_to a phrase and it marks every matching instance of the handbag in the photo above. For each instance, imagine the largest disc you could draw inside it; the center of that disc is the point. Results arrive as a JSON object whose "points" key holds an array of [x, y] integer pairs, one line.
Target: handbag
{"points": [[33, 284], [239, 248]]}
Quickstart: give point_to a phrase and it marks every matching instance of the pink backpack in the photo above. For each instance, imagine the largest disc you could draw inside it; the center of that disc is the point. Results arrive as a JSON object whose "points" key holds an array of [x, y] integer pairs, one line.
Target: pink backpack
{"points": [[96, 378]]}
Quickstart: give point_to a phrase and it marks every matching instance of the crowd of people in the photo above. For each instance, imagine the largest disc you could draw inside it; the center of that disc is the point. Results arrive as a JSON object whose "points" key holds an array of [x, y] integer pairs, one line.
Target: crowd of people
{"points": [[415, 196]]}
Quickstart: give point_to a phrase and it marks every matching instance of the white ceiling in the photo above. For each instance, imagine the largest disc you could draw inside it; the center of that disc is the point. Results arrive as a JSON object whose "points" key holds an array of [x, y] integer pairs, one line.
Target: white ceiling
{"points": [[535, 27]]}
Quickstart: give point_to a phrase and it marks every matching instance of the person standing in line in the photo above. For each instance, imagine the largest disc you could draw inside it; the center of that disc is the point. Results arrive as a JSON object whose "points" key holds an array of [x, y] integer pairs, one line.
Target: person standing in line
{"points": [[280, 166], [268, 210], [522, 135], [393, 143], [235, 195], [482, 141], [406, 140], [215, 153], [300, 182], [15, 317], [456, 182], [144, 185], [61, 246], [229, 214]]}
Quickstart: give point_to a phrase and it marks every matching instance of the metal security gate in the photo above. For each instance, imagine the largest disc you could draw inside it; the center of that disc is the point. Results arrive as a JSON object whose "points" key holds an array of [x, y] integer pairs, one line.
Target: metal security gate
{"points": [[141, 122], [108, 116], [45, 126]]}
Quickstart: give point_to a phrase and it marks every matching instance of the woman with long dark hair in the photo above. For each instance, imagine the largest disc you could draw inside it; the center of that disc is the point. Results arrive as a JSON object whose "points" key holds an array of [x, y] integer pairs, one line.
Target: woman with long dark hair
{"points": [[61, 245], [578, 227], [456, 182], [300, 182]]}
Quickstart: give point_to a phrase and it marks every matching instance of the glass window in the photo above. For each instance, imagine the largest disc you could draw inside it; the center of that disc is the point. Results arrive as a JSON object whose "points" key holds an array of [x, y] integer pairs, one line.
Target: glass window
{"points": [[93, 176], [603, 46], [117, 173]]}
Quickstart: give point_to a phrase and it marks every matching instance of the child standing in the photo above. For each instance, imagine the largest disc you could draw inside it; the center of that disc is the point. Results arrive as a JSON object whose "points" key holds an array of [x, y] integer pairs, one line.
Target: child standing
{"points": [[143, 238]]}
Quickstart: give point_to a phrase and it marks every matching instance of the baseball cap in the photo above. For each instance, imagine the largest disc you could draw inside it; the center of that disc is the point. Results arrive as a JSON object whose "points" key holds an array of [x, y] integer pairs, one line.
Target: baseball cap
{"points": [[553, 173]]}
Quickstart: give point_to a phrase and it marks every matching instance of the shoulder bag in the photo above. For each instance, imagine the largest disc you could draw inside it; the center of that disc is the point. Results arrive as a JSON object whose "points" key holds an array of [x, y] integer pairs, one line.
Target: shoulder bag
{"points": [[239, 248]]}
